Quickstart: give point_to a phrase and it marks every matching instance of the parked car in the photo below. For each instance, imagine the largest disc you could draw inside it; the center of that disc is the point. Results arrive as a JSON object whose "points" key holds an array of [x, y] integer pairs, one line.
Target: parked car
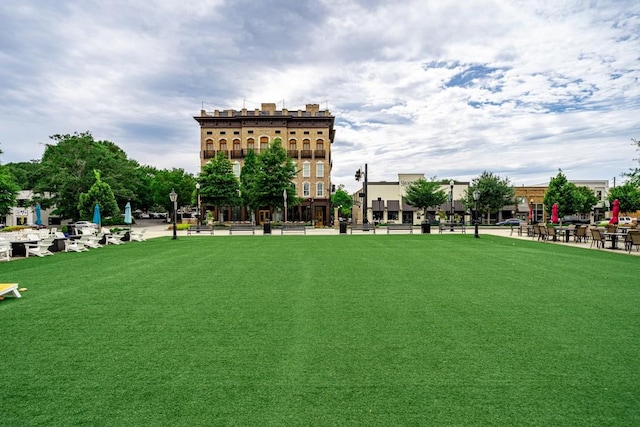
{"points": [[572, 219], [85, 224], [626, 220], [511, 221]]}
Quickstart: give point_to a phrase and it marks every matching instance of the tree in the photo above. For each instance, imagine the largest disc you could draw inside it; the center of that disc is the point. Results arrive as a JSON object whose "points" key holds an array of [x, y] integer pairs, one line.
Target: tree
{"points": [[248, 181], [494, 193], [163, 181], [424, 194], [343, 201], [218, 184], [67, 171], [634, 174], [100, 193], [26, 174], [275, 175], [586, 200], [628, 195], [570, 200], [8, 191]]}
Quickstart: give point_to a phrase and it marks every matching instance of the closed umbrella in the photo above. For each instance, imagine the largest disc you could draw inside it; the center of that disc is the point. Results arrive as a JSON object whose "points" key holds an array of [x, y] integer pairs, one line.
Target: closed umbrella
{"points": [[127, 214], [38, 214], [615, 213], [96, 215], [554, 213]]}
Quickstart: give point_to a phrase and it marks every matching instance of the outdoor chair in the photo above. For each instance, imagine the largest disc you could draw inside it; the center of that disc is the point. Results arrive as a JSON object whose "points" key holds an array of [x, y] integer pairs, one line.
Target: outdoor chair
{"points": [[597, 237], [544, 232], [73, 246], [39, 249], [6, 288], [632, 239], [552, 234], [536, 231], [113, 239], [5, 250], [137, 235], [612, 228], [580, 234], [90, 242]]}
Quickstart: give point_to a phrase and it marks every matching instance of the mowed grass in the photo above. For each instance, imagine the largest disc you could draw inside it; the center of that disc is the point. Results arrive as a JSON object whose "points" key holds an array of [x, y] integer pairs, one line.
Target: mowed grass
{"points": [[323, 330]]}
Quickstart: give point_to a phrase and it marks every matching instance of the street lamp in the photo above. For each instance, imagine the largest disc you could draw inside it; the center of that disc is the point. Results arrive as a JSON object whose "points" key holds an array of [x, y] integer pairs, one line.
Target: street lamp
{"points": [[174, 199], [476, 197], [451, 204], [198, 203]]}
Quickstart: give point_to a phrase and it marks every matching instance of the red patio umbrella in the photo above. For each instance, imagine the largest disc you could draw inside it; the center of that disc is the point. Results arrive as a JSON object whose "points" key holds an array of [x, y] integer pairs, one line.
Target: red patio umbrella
{"points": [[615, 213], [531, 213], [554, 213]]}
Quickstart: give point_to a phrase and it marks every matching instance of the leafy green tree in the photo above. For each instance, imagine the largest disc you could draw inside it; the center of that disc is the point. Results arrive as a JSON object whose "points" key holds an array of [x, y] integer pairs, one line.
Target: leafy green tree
{"points": [[275, 175], [424, 194], [570, 200], [27, 174], [218, 184], [628, 195], [163, 181], [67, 171], [494, 192], [343, 201], [100, 193], [634, 174], [585, 200], [8, 190], [249, 181]]}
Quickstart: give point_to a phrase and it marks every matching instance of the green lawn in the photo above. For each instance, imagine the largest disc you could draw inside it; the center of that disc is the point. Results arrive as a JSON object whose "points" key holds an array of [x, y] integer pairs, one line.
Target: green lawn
{"points": [[323, 330]]}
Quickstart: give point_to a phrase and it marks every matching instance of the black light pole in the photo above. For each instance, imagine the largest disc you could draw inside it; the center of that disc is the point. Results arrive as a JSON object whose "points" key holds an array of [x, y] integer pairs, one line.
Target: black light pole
{"points": [[363, 175], [451, 204], [198, 203], [174, 198], [476, 196]]}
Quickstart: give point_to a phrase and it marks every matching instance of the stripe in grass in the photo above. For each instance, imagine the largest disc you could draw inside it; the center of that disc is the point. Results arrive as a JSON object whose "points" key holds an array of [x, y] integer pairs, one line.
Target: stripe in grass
{"points": [[323, 330]]}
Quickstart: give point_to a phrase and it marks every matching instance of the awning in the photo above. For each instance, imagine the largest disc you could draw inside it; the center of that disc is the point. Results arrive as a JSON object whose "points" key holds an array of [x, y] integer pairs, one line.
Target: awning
{"points": [[377, 205], [393, 205]]}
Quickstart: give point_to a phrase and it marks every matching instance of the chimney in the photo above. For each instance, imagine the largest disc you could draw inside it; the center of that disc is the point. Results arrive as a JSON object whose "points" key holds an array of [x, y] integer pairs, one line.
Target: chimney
{"points": [[312, 108], [271, 108]]}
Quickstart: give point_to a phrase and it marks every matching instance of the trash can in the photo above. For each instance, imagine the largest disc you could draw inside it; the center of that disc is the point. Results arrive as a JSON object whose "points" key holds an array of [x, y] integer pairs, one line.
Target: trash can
{"points": [[426, 228], [266, 228], [343, 227]]}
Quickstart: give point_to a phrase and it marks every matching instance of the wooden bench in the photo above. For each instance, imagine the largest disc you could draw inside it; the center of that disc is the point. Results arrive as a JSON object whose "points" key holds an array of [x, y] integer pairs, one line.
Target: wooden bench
{"points": [[201, 229], [363, 228], [452, 226], [400, 227], [6, 288], [242, 228], [293, 228]]}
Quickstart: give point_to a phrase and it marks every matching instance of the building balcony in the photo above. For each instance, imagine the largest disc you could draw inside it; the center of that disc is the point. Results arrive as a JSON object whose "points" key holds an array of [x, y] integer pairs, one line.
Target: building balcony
{"points": [[208, 154], [292, 153], [319, 154], [306, 154], [236, 154]]}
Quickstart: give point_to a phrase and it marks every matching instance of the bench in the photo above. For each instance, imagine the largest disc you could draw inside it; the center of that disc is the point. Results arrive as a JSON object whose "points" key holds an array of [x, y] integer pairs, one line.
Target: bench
{"points": [[400, 227], [200, 229], [6, 288], [363, 228], [242, 228], [293, 228], [452, 226]]}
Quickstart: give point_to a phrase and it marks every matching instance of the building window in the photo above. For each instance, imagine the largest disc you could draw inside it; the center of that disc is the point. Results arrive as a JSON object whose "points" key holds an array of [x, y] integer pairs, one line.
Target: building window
{"points": [[392, 215], [277, 132], [306, 189], [306, 144], [236, 169], [293, 132], [209, 132], [236, 132], [223, 144], [223, 133], [319, 189], [319, 144], [251, 144], [319, 132], [264, 143], [306, 132], [292, 144], [306, 170], [209, 144], [250, 132], [319, 170]]}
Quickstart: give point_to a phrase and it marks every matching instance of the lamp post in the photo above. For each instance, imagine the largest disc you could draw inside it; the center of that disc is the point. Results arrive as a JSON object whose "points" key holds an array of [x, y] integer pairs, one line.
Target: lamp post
{"points": [[451, 204], [284, 196], [198, 204], [531, 210], [476, 197], [173, 196]]}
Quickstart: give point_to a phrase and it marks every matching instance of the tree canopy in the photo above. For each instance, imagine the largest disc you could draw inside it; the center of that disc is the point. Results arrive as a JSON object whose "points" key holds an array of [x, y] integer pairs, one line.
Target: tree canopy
{"points": [[100, 193], [218, 184], [494, 192], [8, 190], [343, 201], [424, 194], [570, 200], [275, 175], [628, 195], [634, 174]]}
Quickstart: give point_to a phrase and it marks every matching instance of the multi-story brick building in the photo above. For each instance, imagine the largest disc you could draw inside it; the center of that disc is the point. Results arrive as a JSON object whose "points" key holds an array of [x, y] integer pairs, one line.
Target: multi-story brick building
{"points": [[307, 136]]}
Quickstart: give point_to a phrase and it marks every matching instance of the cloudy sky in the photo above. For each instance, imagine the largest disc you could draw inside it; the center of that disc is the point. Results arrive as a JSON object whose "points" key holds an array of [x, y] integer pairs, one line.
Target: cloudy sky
{"points": [[520, 88]]}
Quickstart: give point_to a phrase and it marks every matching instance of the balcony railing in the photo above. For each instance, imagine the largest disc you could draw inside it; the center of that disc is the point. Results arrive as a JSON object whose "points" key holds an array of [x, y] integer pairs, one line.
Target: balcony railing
{"points": [[319, 154], [306, 154], [292, 153], [236, 154], [208, 154]]}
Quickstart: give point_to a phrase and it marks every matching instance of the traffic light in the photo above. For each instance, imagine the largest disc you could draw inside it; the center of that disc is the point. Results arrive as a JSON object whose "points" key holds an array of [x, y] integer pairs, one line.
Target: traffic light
{"points": [[333, 188], [358, 175]]}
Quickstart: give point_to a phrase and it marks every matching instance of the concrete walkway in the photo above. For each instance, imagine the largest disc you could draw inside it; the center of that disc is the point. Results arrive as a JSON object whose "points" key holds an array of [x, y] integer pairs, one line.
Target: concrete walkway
{"points": [[165, 230]]}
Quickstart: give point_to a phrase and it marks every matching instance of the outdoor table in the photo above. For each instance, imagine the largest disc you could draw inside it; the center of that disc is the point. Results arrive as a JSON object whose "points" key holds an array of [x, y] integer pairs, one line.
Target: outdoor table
{"points": [[567, 232], [18, 248], [614, 239]]}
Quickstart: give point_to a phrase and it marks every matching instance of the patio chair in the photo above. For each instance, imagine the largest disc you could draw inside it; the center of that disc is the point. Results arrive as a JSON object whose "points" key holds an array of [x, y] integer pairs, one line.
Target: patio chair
{"points": [[632, 239], [544, 232], [5, 250], [6, 288], [113, 239], [39, 249], [597, 237], [552, 234], [137, 235], [536, 231], [612, 228], [74, 246], [90, 242], [580, 234]]}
